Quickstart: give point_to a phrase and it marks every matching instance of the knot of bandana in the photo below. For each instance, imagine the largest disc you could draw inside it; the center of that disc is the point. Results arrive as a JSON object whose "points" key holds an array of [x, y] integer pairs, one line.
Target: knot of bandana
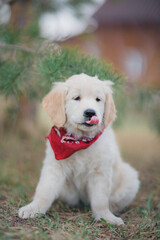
{"points": [[64, 145]]}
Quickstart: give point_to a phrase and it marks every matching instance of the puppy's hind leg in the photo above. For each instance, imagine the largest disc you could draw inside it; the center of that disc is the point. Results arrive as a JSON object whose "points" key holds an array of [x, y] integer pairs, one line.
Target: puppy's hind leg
{"points": [[125, 189], [48, 189]]}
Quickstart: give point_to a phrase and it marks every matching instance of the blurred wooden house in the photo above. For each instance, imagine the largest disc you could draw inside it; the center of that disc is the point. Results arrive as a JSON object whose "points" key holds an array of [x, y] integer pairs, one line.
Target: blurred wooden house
{"points": [[128, 34]]}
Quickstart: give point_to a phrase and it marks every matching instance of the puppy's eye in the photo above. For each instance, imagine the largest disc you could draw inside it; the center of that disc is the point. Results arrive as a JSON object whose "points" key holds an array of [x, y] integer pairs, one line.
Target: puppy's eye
{"points": [[77, 98], [98, 99]]}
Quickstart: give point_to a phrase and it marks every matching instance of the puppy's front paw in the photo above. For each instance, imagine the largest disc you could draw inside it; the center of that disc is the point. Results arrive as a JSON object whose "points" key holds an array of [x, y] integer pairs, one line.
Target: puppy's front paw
{"points": [[109, 217], [29, 211], [115, 221]]}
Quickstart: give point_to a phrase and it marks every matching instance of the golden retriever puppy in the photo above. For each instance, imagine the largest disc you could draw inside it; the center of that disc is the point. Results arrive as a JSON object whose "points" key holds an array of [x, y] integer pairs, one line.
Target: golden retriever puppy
{"points": [[82, 159]]}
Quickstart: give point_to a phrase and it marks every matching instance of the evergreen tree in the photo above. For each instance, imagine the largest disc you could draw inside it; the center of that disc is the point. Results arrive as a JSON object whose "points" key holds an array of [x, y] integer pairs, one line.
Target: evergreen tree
{"points": [[28, 66]]}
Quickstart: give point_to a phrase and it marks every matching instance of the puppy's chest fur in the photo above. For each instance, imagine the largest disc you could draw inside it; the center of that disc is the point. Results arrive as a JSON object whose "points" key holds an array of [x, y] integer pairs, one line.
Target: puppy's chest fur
{"points": [[96, 159]]}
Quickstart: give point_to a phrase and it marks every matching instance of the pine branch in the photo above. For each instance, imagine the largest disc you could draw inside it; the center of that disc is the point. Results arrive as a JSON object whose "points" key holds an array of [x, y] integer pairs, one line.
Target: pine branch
{"points": [[59, 65], [16, 47], [33, 74]]}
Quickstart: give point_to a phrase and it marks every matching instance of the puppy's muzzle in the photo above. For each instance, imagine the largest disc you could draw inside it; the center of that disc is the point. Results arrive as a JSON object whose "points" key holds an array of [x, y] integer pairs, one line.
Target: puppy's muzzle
{"points": [[89, 113], [90, 118]]}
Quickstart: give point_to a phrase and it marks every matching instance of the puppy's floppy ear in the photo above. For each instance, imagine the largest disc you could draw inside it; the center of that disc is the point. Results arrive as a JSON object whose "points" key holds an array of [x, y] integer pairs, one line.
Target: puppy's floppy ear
{"points": [[54, 104], [110, 110]]}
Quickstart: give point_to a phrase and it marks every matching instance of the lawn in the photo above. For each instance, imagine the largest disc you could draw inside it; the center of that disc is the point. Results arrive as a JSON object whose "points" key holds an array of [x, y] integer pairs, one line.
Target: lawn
{"points": [[20, 164]]}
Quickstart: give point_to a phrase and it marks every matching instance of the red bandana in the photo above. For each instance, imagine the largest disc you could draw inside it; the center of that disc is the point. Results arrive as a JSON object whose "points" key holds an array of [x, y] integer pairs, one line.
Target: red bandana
{"points": [[65, 145]]}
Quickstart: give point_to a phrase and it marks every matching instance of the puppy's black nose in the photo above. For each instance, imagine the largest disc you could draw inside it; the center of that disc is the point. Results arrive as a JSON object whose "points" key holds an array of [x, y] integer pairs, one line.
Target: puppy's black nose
{"points": [[89, 113]]}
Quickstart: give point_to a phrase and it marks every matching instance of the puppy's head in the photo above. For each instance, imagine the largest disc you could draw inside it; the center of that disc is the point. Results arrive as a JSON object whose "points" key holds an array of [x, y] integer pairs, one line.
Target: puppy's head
{"points": [[81, 104]]}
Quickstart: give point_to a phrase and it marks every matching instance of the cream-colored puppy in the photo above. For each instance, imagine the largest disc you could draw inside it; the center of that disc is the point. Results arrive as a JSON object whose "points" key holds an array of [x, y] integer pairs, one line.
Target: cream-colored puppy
{"points": [[84, 107]]}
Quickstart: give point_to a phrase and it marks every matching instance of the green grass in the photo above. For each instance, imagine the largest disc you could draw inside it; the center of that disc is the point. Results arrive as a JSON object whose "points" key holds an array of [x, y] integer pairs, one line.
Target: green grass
{"points": [[20, 164]]}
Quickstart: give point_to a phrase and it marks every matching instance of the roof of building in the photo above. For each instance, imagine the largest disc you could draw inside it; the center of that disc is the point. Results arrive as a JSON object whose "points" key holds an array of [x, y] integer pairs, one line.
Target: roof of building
{"points": [[129, 12]]}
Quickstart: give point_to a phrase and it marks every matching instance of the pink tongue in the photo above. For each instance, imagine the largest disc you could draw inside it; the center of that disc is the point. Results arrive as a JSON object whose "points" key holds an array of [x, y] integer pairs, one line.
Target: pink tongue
{"points": [[94, 120]]}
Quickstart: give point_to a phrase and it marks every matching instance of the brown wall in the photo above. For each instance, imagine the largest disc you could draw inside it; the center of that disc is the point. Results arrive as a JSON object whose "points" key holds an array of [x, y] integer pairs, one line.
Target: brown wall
{"points": [[135, 51]]}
